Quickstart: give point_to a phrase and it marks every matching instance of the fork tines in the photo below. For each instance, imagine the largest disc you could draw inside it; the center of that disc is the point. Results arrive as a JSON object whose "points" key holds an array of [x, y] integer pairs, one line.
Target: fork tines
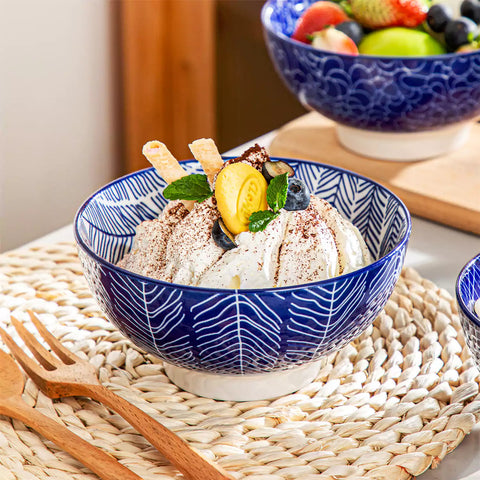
{"points": [[43, 356]]}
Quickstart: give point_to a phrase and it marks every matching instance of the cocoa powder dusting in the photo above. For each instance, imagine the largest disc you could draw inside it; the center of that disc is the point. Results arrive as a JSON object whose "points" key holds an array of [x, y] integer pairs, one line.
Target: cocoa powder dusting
{"points": [[255, 156]]}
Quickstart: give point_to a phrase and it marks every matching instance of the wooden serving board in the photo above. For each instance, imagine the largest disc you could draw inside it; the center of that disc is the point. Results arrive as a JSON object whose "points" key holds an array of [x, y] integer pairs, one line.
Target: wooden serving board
{"points": [[445, 189]]}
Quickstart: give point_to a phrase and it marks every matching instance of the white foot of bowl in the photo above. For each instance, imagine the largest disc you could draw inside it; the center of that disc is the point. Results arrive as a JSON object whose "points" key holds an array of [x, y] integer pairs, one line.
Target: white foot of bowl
{"points": [[405, 147], [241, 388]]}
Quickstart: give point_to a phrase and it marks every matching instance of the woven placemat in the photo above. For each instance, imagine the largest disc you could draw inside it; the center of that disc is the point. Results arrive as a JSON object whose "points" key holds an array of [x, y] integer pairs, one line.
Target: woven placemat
{"points": [[387, 406]]}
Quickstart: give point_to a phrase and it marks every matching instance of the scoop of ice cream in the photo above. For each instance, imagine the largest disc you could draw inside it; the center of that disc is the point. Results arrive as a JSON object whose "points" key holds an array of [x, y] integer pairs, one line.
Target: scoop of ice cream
{"points": [[297, 247], [352, 250], [309, 252], [190, 248], [147, 256], [253, 264]]}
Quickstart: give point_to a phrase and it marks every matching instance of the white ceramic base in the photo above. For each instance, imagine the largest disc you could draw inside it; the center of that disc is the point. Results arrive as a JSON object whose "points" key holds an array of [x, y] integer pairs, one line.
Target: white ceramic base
{"points": [[405, 147], [242, 388]]}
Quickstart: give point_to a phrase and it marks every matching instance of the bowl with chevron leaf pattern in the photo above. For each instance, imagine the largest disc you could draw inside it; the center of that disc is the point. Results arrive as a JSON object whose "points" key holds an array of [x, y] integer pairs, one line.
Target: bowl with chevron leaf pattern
{"points": [[467, 291], [241, 344]]}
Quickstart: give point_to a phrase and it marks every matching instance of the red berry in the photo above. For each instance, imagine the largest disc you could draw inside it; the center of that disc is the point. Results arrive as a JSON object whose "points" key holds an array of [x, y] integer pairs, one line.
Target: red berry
{"points": [[316, 18], [389, 13]]}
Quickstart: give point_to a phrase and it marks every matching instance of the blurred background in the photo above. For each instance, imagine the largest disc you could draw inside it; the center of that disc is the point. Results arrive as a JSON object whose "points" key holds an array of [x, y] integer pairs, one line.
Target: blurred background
{"points": [[84, 84]]}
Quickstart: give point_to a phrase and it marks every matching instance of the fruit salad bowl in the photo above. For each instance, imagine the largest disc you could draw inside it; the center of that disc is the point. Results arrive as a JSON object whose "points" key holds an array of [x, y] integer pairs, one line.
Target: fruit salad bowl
{"points": [[387, 107], [241, 344]]}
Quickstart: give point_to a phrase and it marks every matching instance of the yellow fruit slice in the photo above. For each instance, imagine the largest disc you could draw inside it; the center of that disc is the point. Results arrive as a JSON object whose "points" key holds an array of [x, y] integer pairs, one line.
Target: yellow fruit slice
{"points": [[240, 190]]}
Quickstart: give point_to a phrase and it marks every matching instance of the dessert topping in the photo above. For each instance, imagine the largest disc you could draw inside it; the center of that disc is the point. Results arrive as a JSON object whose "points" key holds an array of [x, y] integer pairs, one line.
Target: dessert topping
{"points": [[276, 197], [298, 195], [221, 236], [192, 187], [273, 169], [240, 190]]}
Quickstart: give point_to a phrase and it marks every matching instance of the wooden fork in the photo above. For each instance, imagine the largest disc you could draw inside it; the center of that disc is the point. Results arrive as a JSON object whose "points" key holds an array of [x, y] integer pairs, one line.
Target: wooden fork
{"points": [[67, 375], [12, 405]]}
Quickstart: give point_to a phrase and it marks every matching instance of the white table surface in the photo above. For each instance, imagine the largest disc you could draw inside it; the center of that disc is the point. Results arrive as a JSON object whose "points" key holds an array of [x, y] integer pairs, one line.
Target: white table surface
{"points": [[438, 253]]}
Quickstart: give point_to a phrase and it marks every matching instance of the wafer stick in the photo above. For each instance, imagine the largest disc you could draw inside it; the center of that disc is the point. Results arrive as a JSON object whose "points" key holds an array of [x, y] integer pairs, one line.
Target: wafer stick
{"points": [[205, 151], [165, 163]]}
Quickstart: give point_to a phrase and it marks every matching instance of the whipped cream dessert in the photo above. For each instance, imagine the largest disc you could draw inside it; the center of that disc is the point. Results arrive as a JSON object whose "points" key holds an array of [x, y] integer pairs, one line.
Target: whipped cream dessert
{"points": [[296, 246]]}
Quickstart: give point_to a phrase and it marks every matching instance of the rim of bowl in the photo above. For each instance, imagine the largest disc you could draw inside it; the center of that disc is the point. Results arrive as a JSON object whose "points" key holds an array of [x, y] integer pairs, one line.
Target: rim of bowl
{"points": [[265, 18], [460, 301], [114, 267]]}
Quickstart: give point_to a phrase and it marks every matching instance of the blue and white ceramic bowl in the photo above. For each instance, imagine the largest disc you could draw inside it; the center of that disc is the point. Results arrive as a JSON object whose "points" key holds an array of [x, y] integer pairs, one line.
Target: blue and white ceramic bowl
{"points": [[241, 344], [398, 108], [468, 292]]}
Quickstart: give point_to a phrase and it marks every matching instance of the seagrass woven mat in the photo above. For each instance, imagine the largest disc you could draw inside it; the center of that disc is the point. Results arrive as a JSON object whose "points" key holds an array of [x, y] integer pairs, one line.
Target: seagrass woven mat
{"points": [[387, 406]]}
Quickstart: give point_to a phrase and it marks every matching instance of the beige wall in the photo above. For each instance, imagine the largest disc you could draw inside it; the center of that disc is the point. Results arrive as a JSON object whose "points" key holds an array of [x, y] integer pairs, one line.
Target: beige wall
{"points": [[58, 109]]}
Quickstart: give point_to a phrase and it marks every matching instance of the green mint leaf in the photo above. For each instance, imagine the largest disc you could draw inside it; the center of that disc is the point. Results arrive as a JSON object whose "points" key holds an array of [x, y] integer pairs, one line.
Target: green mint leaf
{"points": [[260, 220], [277, 192], [191, 187]]}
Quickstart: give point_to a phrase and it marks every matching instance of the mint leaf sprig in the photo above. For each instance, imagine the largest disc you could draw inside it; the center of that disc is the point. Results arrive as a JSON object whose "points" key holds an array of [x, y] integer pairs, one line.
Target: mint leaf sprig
{"points": [[276, 198], [192, 187]]}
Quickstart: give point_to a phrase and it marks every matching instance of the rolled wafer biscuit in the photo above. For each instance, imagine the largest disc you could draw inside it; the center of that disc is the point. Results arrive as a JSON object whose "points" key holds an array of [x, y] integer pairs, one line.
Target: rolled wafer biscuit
{"points": [[205, 151], [166, 164]]}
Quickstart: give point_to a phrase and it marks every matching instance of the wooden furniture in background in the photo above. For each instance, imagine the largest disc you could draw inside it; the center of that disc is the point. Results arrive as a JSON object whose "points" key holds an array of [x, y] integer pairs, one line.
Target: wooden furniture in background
{"points": [[197, 68], [168, 75]]}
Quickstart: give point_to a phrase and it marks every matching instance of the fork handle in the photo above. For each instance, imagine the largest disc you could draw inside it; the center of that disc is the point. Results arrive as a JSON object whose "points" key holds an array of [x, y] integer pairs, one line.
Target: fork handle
{"points": [[176, 450], [98, 461]]}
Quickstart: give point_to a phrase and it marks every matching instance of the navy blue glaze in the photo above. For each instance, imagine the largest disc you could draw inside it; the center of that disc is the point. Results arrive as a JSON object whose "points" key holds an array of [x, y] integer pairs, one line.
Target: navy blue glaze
{"points": [[241, 331], [389, 94], [467, 293]]}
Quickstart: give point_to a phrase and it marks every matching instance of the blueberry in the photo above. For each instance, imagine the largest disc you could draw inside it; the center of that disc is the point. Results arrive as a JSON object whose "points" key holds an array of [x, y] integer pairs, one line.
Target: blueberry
{"points": [[272, 169], [459, 32], [298, 195], [352, 29], [470, 9], [438, 16], [221, 236]]}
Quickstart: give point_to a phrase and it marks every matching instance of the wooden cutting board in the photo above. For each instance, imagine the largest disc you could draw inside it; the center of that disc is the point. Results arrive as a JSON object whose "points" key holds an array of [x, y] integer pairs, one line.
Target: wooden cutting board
{"points": [[445, 189]]}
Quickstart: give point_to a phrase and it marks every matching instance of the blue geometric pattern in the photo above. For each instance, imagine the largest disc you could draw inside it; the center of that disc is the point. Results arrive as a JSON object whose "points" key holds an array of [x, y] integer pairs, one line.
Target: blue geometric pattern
{"points": [[397, 94], [241, 331], [468, 292]]}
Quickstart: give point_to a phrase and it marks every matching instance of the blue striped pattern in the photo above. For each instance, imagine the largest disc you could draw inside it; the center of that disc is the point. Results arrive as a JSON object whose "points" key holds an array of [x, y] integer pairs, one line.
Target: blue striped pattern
{"points": [[245, 331], [468, 292]]}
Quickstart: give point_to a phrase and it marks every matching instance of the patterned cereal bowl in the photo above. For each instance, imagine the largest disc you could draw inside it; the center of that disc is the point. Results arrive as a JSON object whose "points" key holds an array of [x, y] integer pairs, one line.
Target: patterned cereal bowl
{"points": [[393, 108], [467, 293], [241, 344]]}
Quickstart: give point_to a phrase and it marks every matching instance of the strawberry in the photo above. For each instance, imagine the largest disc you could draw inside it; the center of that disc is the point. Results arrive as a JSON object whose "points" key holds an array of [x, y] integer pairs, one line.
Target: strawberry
{"points": [[333, 40], [316, 18], [389, 13]]}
